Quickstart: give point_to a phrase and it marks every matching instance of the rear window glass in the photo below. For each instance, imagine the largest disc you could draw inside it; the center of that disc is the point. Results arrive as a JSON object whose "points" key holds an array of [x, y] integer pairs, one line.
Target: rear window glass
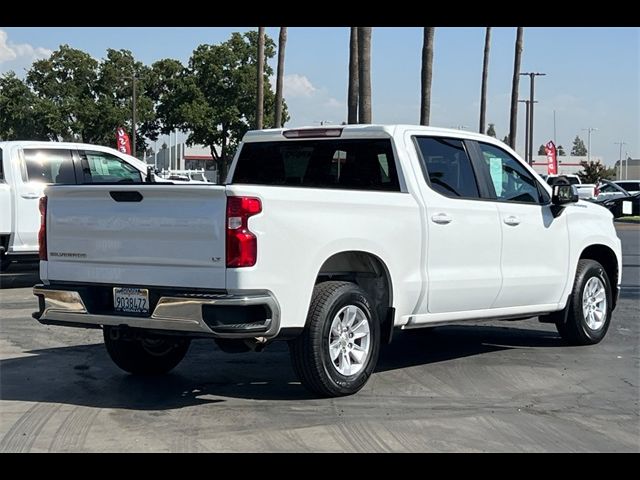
{"points": [[102, 167], [344, 164], [49, 165], [630, 186]]}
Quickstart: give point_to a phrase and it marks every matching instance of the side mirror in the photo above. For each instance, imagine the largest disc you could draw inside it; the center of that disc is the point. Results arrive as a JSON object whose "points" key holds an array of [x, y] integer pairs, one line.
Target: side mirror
{"points": [[564, 194]]}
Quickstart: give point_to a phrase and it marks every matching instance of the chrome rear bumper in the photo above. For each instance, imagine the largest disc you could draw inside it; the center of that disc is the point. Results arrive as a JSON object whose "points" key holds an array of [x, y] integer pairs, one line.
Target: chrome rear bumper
{"points": [[179, 313]]}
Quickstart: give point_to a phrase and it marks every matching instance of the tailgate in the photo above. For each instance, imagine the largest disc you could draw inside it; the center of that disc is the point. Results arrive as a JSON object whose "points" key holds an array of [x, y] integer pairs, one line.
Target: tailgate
{"points": [[143, 234]]}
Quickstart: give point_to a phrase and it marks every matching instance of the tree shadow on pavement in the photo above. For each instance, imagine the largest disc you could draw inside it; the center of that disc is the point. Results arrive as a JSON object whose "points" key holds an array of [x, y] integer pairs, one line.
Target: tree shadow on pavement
{"points": [[84, 375]]}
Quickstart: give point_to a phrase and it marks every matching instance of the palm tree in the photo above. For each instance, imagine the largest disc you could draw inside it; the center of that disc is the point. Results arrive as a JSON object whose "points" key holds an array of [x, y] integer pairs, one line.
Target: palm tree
{"points": [[513, 123], [427, 74], [485, 76], [282, 41], [260, 88], [364, 74], [352, 94]]}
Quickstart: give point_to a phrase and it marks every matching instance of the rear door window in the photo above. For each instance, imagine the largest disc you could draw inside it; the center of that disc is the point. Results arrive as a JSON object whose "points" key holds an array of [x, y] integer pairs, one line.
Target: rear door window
{"points": [[49, 165], [447, 167], [341, 164], [102, 167]]}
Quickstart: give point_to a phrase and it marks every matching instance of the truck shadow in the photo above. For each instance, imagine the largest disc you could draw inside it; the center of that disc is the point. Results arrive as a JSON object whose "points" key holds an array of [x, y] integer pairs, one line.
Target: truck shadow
{"points": [[20, 275], [84, 375]]}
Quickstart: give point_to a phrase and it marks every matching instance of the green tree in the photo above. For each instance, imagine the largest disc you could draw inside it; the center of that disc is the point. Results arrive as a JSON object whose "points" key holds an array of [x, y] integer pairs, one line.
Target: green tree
{"points": [[579, 148], [427, 75], [593, 170], [23, 116], [214, 97], [542, 150], [86, 99], [561, 151], [491, 131]]}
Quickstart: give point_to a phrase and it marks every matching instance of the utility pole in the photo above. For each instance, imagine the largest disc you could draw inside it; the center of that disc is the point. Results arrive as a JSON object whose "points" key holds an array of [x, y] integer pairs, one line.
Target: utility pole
{"points": [[621, 143], [526, 129], [555, 141], [532, 77], [133, 120], [589, 130]]}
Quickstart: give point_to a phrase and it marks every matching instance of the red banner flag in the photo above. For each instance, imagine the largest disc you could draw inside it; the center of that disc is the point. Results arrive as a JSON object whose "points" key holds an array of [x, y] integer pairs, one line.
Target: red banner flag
{"points": [[552, 158], [122, 140]]}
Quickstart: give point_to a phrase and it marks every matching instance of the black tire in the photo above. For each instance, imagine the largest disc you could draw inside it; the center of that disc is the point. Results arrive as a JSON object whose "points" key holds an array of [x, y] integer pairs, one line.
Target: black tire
{"points": [[576, 330], [153, 355], [310, 353]]}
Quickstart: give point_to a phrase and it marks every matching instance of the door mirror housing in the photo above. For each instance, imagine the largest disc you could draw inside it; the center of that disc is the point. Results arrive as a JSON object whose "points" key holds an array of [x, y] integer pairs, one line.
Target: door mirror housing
{"points": [[564, 194]]}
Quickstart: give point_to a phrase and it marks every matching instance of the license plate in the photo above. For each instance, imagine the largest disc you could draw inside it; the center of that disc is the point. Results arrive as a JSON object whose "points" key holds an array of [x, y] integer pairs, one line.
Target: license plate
{"points": [[627, 208], [131, 300]]}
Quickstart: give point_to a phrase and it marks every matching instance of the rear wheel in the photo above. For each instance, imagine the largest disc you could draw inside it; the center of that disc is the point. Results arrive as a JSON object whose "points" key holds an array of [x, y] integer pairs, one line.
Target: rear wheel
{"points": [[590, 304], [145, 355], [338, 350]]}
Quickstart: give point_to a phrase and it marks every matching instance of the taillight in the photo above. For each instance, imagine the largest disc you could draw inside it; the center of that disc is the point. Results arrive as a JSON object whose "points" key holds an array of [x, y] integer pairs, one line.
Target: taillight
{"points": [[242, 245], [42, 234]]}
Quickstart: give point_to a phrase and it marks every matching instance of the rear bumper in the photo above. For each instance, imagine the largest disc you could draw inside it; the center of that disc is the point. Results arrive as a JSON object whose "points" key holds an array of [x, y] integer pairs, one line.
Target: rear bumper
{"points": [[210, 315]]}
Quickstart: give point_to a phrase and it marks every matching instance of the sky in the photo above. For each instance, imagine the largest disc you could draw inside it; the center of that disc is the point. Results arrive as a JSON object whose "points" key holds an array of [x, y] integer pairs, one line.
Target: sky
{"points": [[592, 74]]}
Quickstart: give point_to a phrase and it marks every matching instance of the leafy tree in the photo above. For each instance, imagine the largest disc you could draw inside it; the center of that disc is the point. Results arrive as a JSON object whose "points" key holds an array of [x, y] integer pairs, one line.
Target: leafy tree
{"points": [[506, 139], [23, 116], [542, 150], [579, 148], [85, 100], [594, 170], [214, 97], [491, 131], [561, 151]]}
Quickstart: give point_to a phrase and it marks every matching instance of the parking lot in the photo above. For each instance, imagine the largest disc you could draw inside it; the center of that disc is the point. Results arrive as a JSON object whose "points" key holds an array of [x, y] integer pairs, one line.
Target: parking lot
{"points": [[495, 386]]}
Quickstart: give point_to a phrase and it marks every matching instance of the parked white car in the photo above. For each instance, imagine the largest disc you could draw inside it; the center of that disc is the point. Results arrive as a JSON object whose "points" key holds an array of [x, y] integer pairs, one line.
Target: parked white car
{"points": [[27, 167], [585, 190], [329, 238]]}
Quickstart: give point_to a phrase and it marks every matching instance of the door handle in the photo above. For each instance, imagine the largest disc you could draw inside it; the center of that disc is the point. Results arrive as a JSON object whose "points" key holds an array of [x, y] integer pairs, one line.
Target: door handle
{"points": [[441, 218], [511, 220], [30, 195]]}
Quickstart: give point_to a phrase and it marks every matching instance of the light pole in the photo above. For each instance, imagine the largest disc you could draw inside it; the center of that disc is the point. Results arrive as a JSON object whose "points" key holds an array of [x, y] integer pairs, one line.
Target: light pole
{"points": [[589, 130], [532, 78], [621, 143]]}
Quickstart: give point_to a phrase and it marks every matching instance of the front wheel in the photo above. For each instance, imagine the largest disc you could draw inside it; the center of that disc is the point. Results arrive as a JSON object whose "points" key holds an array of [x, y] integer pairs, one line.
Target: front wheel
{"points": [[145, 355], [590, 305], [338, 350]]}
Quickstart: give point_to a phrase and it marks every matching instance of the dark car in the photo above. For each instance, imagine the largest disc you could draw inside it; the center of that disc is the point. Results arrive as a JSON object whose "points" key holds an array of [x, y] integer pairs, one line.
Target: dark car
{"points": [[618, 208]]}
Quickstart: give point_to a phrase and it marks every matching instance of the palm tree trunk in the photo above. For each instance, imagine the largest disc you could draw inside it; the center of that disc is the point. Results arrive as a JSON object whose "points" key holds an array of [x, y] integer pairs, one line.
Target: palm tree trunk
{"points": [[513, 123], [427, 75], [485, 76], [282, 41], [352, 94], [364, 74], [260, 87]]}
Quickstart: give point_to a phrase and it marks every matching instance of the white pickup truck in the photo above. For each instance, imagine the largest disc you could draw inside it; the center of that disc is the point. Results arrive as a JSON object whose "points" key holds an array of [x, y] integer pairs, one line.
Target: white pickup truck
{"points": [[329, 238], [27, 167]]}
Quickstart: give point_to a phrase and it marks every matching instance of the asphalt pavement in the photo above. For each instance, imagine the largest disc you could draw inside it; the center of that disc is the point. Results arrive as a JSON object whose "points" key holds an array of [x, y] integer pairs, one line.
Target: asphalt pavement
{"points": [[498, 386]]}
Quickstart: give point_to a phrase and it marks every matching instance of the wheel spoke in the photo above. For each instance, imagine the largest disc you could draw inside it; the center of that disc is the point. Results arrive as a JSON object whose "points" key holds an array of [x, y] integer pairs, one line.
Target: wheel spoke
{"points": [[358, 353], [346, 364], [599, 296], [350, 316], [334, 350]]}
